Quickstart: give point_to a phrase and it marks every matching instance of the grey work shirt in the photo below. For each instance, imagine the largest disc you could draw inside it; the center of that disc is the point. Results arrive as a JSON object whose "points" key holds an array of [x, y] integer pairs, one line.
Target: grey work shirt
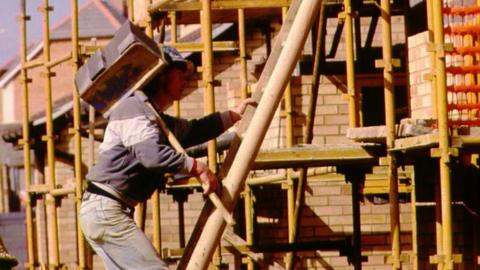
{"points": [[135, 154]]}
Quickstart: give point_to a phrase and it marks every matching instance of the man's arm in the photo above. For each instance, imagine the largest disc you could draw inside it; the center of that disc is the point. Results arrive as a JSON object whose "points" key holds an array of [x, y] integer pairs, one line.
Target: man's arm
{"points": [[197, 131]]}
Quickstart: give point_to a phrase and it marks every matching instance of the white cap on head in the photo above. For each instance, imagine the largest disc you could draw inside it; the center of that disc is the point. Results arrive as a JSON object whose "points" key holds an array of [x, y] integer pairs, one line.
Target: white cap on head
{"points": [[174, 58]]}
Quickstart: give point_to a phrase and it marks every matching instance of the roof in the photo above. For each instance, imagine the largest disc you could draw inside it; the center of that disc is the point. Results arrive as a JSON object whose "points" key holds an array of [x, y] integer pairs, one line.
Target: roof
{"points": [[13, 67], [97, 18]]}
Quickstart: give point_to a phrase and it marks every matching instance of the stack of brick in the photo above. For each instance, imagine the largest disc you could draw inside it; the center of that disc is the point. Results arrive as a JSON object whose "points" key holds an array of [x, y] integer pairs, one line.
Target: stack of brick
{"points": [[419, 65]]}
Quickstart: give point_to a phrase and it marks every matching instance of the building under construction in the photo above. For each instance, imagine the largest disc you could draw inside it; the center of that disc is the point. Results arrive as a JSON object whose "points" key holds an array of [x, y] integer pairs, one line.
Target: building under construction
{"points": [[315, 177]]}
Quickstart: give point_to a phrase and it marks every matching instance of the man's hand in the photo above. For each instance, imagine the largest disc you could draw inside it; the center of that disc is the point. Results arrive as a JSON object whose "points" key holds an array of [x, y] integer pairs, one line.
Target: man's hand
{"points": [[207, 177], [237, 112]]}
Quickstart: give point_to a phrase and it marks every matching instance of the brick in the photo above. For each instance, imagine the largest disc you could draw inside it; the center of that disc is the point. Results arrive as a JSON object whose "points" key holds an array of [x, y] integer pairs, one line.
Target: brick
{"points": [[418, 39], [332, 190], [336, 119], [339, 200], [316, 201], [337, 139], [328, 211], [340, 220], [326, 130], [328, 88], [380, 209], [373, 219], [334, 99]]}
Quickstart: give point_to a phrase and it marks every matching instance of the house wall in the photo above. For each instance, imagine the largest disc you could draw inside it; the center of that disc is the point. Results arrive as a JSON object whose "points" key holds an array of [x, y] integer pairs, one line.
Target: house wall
{"points": [[7, 99], [328, 205]]}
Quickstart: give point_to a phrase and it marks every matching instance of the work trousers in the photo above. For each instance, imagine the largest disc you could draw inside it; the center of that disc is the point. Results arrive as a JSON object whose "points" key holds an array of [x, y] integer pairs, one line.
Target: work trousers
{"points": [[110, 230]]}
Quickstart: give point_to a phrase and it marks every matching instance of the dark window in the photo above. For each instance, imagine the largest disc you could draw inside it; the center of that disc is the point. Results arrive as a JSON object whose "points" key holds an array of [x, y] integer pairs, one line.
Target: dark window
{"points": [[373, 105]]}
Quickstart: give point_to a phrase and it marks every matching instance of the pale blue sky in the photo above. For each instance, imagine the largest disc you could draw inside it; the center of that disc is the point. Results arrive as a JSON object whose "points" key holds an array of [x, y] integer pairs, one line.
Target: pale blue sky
{"points": [[9, 26]]}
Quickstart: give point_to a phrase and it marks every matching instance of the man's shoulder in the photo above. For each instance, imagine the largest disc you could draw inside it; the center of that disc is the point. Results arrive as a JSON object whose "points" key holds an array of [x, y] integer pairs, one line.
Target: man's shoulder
{"points": [[130, 107]]}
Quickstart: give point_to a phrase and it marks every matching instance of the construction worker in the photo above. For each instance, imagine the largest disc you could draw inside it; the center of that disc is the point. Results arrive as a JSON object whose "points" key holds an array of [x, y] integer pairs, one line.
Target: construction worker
{"points": [[132, 161]]}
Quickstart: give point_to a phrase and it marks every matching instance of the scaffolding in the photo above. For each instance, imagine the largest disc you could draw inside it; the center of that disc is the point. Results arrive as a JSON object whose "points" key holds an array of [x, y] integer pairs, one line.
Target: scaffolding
{"points": [[352, 161]]}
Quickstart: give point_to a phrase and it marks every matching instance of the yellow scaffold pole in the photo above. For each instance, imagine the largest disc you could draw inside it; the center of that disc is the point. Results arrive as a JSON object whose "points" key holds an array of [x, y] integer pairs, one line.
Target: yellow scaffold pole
{"points": [[53, 246], [209, 94], [77, 137], [26, 135], [390, 126], [444, 146]]}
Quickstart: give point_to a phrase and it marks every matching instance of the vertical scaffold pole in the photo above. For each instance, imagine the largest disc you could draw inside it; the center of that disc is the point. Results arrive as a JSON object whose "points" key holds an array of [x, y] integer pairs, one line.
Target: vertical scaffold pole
{"points": [[308, 134], [2, 191], [176, 106], [287, 97], [6, 186], [429, 5], [53, 247], [244, 93], [209, 95], [444, 146], [350, 61], [438, 221], [26, 135], [438, 199], [243, 54], [413, 205], [173, 41], [130, 5], [249, 222], [199, 257], [77, 137], [390, 126]]}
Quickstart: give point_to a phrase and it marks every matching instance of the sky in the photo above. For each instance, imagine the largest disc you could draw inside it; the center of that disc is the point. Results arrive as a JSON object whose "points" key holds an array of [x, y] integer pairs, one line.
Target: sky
{"points": [[9, 25]]}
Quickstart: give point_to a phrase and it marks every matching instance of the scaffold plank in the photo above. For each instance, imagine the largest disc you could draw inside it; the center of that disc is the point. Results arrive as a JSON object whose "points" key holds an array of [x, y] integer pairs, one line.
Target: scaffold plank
{"points": [[317, 155]]}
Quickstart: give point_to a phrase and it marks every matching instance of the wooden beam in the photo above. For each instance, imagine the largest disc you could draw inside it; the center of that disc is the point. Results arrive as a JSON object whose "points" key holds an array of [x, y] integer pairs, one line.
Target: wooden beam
{"points": [[218, 46], [163, 5], [240, 245]]}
